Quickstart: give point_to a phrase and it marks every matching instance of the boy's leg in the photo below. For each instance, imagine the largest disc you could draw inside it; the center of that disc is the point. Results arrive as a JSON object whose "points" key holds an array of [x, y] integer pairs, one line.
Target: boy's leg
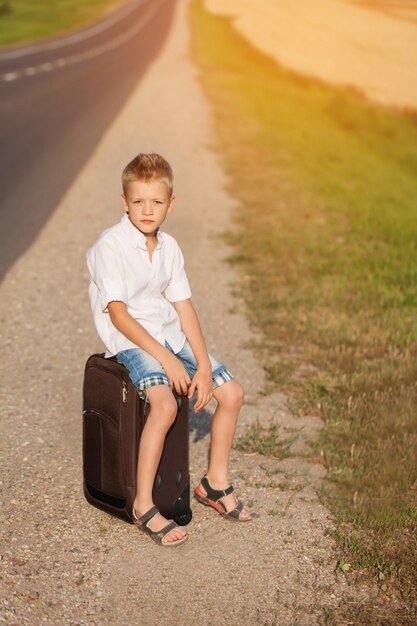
{"points": [[229, 397], [163, 410]]}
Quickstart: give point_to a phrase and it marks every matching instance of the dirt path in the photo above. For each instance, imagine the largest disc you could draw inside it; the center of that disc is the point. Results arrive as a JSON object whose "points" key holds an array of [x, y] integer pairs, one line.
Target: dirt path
{"points": [[339, 41], [65, 562]]}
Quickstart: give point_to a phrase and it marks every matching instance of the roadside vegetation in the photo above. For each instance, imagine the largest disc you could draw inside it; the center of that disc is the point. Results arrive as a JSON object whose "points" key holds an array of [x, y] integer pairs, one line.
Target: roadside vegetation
{"points": [[325, 238], [24, 21]]}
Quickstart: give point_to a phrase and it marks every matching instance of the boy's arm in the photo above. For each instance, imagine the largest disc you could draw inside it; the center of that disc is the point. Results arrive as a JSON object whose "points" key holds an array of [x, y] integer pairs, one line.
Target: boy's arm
{"points": [[134, 331], [192, 330]]}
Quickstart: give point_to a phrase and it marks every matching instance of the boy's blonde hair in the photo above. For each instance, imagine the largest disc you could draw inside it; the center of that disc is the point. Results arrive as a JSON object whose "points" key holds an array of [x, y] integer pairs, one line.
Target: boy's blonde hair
{"points": [[147, 167]]}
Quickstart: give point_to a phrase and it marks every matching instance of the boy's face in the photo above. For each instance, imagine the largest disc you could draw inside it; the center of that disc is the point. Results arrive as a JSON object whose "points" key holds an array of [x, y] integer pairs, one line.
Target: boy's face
{"points": [[147, 204]]}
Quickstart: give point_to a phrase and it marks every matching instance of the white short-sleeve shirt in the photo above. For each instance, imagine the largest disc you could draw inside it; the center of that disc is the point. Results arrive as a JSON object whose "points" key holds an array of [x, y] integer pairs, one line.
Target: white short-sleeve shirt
{"points": [[120, 269]]}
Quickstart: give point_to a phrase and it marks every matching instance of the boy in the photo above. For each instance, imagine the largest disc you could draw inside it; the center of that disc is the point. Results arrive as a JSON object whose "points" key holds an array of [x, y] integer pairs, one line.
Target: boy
{"points": [[141, 303]]}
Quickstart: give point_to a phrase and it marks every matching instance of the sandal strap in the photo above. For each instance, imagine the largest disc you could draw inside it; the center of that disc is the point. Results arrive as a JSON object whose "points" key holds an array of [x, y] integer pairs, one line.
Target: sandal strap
{"points": [[146, 517], [239, 506], [236, 511], [166, 529], [160, 535], [157, 536], [215, 494]]}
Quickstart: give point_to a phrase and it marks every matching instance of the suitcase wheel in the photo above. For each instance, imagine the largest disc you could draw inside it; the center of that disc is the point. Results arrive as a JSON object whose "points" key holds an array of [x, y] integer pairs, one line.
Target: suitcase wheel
{"points": [[184, 519]]}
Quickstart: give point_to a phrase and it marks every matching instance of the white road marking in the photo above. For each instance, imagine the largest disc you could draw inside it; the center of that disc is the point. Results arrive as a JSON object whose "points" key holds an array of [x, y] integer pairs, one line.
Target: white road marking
{"points": [[88, 54], [76, 37]]}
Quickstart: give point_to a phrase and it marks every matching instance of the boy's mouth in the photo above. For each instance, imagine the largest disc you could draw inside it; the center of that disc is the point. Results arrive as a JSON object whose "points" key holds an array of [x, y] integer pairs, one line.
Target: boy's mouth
{"points": [[147, 221]]}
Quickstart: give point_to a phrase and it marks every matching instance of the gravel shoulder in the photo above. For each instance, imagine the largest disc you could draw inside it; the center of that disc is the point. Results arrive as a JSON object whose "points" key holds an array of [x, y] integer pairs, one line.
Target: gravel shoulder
{"points": [[338, 41], [65, 562]]}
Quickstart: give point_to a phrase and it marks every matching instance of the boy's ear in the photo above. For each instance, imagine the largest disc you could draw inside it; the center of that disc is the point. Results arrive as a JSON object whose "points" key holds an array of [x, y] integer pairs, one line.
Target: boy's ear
{"points": [[171, 204], [124, 204]]}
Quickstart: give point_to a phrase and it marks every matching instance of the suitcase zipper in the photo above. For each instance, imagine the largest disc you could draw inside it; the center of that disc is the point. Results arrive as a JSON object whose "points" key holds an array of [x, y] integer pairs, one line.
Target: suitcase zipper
{"points": [[99, 413], [124, 445]]}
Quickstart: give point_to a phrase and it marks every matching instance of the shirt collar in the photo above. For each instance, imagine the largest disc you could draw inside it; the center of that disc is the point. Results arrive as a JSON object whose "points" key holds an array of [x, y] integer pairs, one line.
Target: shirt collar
{"points": [[136, 238]]}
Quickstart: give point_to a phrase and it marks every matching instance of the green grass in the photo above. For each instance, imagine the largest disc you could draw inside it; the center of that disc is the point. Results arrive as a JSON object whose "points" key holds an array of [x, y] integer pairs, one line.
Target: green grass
{"points": [[260, 440], [30, 20], [325, 237]]}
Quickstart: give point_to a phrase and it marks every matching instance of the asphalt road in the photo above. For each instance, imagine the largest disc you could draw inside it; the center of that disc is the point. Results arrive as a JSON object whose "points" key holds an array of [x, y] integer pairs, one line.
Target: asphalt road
{"points": [[56, 100]]}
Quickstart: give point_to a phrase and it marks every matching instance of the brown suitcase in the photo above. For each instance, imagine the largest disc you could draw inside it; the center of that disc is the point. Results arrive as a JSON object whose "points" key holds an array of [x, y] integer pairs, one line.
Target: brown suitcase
{"points": [[113, 419]]}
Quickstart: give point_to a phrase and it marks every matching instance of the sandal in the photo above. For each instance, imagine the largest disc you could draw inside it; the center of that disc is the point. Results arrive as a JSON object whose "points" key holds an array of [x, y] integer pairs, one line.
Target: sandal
{"points": [[213, 499], [158, 537]]}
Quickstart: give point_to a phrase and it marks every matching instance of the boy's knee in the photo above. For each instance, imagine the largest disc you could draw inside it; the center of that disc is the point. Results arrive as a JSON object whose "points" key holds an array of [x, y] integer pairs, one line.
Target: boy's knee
{"points": [[233, 394], [239, 394], [163, 410]]}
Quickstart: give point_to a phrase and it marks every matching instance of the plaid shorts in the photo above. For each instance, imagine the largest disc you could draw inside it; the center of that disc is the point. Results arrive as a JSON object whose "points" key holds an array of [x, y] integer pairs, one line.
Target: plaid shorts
{"points": [[145, 371]]}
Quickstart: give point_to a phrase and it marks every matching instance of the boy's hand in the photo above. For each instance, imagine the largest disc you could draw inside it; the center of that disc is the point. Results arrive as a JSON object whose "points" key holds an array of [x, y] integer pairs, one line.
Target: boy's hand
{"points": [[202, 381], [176, 372]]}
